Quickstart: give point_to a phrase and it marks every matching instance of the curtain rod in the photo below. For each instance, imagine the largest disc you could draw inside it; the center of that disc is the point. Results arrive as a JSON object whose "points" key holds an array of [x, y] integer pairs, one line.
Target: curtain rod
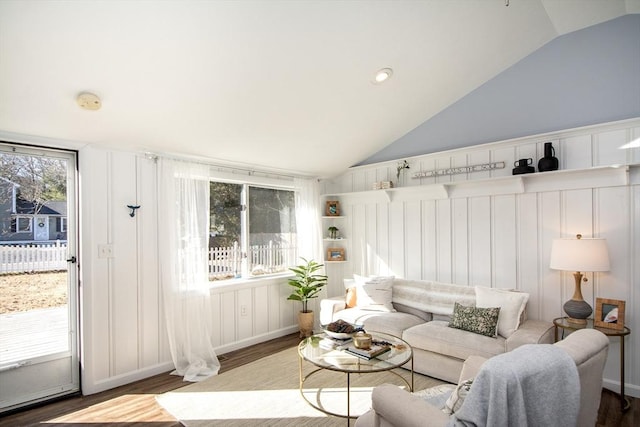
{"points": [[226, 166]]}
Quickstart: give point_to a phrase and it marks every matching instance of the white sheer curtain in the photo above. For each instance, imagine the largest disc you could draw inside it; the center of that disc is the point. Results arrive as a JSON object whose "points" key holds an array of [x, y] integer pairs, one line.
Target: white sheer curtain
{"points": [[307, 197], [183, 244]]}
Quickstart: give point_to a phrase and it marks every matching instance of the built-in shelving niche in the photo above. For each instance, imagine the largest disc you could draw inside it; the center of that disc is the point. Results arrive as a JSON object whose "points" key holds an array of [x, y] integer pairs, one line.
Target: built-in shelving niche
{"points": [[571, 179]]}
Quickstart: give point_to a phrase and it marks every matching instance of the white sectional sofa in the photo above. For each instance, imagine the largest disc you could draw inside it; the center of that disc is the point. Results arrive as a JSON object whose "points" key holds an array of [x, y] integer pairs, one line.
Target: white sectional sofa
{"points": [[420, 312]]}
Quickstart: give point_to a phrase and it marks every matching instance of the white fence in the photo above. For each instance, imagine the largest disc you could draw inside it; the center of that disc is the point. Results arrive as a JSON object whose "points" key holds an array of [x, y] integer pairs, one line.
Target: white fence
{"points": [[30, 258], [228, 262], [224, 262]]}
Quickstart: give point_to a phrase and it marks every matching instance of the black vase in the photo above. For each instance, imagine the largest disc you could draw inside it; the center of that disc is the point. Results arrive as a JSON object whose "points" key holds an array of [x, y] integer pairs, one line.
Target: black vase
{"points": [[549, 162]]}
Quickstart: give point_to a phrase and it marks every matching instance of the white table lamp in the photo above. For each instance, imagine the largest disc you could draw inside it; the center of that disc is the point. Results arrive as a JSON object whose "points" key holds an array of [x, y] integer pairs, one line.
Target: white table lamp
{"points": [[579, 255]]}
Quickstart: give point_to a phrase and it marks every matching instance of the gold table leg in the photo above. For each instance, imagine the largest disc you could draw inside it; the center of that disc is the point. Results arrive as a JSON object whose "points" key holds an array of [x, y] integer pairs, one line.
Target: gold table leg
{"points": [[624, 403]]}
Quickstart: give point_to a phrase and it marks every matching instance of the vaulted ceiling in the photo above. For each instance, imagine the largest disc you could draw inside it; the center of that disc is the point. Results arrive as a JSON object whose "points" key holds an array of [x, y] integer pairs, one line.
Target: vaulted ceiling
{"points": [[273, 85]]}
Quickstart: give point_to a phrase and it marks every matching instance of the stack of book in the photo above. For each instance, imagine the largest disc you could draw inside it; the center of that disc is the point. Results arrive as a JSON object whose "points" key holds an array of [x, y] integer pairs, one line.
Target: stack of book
{"points": [[330, 343], [382, 185], [374, 351]]}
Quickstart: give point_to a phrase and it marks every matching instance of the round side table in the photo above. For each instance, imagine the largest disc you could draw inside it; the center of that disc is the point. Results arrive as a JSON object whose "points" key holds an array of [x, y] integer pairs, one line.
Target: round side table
{"points": [[564, 324]]}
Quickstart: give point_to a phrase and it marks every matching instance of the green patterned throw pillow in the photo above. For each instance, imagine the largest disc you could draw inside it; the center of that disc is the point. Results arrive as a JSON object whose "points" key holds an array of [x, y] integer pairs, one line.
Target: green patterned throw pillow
{"points": [[483, 321]]}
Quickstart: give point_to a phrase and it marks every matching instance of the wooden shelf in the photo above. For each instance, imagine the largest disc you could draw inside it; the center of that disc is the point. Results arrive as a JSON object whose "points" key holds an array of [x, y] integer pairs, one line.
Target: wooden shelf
{"points": [[570, 179]]}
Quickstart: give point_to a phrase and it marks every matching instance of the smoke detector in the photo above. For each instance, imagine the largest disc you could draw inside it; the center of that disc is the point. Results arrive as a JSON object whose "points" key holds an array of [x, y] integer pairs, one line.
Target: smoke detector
{"points": [[89, 101]]}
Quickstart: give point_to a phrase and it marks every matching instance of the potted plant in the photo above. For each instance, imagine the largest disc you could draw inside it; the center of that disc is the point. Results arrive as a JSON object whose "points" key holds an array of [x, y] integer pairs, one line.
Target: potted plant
{"points": [[333, 232], [307, 285]]}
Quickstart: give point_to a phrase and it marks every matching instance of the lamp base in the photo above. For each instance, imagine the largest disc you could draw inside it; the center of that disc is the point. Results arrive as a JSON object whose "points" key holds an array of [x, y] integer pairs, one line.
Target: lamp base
{"points": [[577, 322], [578, 311]]}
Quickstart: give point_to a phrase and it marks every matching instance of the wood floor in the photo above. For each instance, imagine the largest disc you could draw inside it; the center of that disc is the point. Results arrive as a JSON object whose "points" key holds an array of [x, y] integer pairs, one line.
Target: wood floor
{"points": [[135, 404]]}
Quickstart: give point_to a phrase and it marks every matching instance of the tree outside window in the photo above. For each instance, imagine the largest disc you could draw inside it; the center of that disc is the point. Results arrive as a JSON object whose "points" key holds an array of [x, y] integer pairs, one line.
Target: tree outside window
{"points": [[252, 230]]}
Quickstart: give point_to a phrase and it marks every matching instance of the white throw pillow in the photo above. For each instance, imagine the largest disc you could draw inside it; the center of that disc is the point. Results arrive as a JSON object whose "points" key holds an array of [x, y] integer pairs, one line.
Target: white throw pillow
{"points": [[511, 303], [457, 397], [374, 293]]}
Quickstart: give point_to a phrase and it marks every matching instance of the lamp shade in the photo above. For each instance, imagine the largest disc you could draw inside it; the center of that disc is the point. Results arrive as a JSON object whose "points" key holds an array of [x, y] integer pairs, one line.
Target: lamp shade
{"points": [[579, 255]]}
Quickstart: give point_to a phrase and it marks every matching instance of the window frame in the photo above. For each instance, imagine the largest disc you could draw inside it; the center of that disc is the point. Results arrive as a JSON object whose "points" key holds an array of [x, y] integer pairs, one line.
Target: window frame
{"points": [[247, 181], [18, 229]]}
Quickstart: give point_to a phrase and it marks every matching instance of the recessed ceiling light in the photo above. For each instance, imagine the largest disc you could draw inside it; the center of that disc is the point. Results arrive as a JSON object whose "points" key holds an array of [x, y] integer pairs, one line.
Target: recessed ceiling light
{"points": [[382, 75]]}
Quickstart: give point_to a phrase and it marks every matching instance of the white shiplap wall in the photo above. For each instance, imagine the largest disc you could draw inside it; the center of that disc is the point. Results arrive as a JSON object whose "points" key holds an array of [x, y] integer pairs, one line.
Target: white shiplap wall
{"points": [[486, 234], [123, 333]]}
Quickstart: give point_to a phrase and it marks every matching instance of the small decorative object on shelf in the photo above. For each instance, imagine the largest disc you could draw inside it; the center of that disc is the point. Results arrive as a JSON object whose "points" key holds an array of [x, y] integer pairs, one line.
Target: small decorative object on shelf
{"points": [[382, 185], [332, 208], [609, 314], [523, 166], [549, 162], [335, 254], [400, 167], [333, 232]]}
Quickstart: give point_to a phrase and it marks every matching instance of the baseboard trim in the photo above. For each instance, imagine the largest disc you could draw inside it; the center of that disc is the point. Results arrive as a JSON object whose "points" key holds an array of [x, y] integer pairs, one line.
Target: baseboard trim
{"points": [[629, 389], [113, 382], [89, 387], [257, 339]]}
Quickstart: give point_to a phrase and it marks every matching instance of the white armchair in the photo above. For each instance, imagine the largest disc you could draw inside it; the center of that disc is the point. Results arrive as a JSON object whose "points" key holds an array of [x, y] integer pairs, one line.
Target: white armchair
{"points": [[393, 406]]}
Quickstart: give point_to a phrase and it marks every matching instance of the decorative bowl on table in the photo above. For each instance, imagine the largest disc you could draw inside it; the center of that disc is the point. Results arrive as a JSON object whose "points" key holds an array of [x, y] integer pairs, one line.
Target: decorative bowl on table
{"points": [[340, 329], [338, 335]]}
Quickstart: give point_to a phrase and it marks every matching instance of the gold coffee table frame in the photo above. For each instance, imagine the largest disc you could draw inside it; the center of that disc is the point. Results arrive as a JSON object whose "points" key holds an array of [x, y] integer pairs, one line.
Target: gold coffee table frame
{"points": [[309, 349]]}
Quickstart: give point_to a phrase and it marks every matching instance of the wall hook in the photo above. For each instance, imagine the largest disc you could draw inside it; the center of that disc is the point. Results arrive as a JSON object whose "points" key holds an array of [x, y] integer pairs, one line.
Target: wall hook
{"points": [[133, 210]]}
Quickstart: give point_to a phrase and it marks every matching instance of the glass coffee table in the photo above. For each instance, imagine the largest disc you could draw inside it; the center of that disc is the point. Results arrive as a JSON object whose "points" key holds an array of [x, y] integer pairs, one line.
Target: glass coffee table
{"points": [[339, 360]]}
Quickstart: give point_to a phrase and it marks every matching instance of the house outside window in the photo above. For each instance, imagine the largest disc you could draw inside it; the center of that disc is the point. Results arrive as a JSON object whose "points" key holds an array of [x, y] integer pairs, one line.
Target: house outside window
{"points": [[252, 230]]}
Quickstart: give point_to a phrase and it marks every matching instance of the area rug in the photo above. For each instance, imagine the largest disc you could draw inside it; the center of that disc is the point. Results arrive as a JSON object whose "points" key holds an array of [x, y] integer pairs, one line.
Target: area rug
{"points": [[266, 392]]}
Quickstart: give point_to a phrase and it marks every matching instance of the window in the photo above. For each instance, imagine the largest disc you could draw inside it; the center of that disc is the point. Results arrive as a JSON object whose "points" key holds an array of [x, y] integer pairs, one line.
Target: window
{"points": [[63, 224], [21, 224], [252, 230]]}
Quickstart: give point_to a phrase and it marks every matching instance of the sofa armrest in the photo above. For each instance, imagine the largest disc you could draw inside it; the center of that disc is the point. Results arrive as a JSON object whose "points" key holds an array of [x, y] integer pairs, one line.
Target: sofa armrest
{"points": [[329, 306], [471, 367], [400, 408], [530, 332]]}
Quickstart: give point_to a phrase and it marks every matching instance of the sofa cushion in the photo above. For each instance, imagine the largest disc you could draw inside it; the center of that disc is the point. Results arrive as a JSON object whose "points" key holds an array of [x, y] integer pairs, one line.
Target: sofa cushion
{"points": [[436, 336], [374, 293], [432, 297], [512, 305], [406, 309], [482, 321], [375, 321]]}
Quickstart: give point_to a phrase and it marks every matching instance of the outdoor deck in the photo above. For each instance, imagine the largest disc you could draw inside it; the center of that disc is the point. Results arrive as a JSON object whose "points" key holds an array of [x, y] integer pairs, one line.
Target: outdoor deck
{"points": [[31, 334]]}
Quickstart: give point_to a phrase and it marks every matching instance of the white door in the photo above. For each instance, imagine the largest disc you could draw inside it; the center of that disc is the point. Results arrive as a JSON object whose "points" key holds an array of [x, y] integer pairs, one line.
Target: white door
{"points": [[38, 287], [41, 230]]}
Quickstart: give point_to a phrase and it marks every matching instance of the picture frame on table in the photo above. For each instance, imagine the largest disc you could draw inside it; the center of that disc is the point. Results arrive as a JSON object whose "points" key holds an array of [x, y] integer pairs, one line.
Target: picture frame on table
{"points": [[609, 314], [332, 208], [335, 254]]}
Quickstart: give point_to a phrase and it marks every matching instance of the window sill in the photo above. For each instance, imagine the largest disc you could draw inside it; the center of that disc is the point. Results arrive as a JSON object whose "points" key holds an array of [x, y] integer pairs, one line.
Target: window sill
{"points": [[247, 281]]}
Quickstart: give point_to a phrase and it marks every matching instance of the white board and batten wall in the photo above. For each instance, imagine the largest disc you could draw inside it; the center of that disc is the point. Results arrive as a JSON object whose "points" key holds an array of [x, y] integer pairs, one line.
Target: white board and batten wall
{"points": [[123, 332], [493, 229]]}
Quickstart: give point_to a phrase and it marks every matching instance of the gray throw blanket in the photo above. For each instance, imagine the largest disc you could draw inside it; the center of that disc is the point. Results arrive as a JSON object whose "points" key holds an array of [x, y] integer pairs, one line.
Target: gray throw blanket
{"points": [[534, 385]]}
